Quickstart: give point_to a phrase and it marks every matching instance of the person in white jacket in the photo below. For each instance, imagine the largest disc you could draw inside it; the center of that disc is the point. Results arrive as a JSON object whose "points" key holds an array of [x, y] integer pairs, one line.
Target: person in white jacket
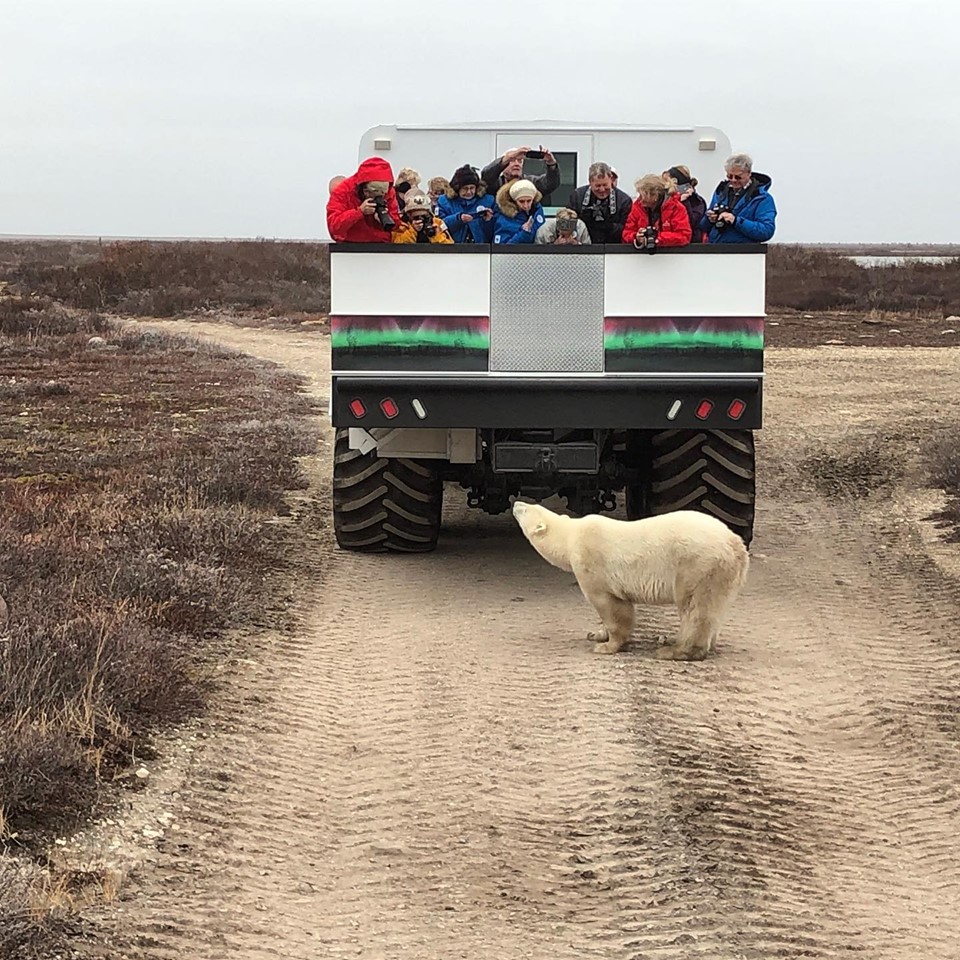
{"points": [[565, 229]]}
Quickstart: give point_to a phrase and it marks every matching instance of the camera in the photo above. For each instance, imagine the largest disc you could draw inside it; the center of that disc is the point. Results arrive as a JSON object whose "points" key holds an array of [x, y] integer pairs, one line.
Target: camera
{"points": [[646, 239], [428, 228], [718, 209], [383, 214], [534, 154], [598, 212]]}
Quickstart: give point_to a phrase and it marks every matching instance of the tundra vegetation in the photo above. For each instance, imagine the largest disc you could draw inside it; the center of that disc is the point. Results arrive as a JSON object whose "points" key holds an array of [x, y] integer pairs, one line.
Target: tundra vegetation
{"points": [[140, 473]]}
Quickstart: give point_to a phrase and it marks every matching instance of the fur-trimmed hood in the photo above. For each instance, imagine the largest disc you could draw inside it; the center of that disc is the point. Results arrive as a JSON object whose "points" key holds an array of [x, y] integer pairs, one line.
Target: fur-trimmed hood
{"points": [[506, 203]]}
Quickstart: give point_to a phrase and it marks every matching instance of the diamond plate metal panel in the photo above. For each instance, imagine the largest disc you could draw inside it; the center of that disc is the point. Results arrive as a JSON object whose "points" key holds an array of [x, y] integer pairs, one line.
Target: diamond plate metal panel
{"points": [[546, 313]]}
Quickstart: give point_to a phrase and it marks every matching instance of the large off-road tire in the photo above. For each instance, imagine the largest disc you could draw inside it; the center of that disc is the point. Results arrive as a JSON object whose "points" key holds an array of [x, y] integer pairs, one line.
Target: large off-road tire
{"points": [[708, 470], [384, 503], [636, 456]]}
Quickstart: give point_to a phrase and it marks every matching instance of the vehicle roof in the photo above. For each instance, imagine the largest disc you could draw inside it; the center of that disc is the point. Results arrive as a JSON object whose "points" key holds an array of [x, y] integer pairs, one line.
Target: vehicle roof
{"points": [[589, 126]]}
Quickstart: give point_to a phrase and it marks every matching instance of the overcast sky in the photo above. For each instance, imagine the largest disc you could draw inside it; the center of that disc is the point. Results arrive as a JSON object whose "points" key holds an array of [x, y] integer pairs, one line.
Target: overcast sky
{"points": [[228, 117]]}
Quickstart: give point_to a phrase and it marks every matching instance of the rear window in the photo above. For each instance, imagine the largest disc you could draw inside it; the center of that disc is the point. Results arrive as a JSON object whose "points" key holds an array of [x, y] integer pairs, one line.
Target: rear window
{"points": [[567, 162]]}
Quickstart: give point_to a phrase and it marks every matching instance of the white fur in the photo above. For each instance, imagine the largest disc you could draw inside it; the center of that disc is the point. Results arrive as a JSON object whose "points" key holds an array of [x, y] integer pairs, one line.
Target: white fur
{"points": [[685, 558]]}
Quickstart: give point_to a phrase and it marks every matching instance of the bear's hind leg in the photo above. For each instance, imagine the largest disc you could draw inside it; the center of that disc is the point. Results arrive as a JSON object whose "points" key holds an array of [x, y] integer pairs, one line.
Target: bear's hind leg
{"points": [[697, 631], [617, 616]]}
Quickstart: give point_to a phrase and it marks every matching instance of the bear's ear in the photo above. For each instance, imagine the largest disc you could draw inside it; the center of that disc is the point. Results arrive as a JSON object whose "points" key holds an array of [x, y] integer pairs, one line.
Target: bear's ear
{"points": [[538, 528]]}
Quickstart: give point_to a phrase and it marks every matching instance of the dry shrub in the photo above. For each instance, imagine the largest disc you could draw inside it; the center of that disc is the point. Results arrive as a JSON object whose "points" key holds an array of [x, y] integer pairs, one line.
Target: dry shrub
{"points": [[135, 488], [942, 454], [29, 928], [859, 471], [162, 278], [34, 317], [942, 457], [801, 278]]}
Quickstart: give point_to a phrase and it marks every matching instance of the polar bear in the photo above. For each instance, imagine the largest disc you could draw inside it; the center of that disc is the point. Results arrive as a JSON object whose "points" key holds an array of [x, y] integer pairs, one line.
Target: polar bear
{"points": [[686, 558]]}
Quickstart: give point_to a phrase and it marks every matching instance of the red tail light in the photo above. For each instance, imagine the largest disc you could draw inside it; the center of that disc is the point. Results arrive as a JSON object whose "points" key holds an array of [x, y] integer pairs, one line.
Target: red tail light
{"points": [[735, 410], [389, 408], [703, 410], [358, 409]]}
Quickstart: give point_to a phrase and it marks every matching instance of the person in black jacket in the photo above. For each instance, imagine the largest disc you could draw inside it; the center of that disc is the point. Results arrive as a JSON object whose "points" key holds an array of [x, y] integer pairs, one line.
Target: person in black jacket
{"points": [[510, 167], [687, 191], [601, 206]]}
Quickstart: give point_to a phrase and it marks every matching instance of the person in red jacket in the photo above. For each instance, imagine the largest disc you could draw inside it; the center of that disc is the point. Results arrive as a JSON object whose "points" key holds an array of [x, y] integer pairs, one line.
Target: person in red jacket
{"points": [[352, 210], [659, 207]]}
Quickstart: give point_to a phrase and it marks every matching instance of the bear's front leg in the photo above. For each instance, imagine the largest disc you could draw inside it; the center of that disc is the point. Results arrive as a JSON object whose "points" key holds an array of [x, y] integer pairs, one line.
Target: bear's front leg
{"points": [[600, 636], [617, 616]]}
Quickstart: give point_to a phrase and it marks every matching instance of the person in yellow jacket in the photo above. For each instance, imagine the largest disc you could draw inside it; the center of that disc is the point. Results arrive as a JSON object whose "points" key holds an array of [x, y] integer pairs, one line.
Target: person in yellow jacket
{"points": [[419, 224]]}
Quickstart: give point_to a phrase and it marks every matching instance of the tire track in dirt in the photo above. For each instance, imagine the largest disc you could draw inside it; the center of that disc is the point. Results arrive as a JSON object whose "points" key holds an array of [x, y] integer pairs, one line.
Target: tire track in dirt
{"points": [[436, 767], [448, 775]]}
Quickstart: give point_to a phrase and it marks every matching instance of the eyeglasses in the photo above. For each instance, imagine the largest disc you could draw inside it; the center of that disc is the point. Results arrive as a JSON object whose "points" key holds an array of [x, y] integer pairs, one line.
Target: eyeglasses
{"points": [[737, 177]]}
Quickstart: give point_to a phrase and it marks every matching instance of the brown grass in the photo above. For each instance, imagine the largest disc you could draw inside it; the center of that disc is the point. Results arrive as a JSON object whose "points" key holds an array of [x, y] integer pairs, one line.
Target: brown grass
{"points": [[137, 477]]}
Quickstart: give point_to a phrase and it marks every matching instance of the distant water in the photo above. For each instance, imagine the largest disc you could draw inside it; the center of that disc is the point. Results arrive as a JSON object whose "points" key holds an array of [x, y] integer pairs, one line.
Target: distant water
{"points": [[898, 261]]}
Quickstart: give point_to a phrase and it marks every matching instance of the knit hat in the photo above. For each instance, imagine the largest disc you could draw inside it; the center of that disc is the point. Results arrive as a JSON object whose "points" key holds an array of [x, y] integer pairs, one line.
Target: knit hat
{"points": [[464, 176], [417, 202], [522, 188]]}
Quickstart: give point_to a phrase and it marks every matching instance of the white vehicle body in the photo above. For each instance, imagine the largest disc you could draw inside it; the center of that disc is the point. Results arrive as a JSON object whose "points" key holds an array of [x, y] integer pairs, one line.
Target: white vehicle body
{"points": [[632, 149], [591, 372]]}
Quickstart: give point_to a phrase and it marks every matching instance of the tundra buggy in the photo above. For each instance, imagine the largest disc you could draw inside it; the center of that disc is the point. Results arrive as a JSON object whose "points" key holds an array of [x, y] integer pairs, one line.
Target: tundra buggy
{"points": [[594, 372]]}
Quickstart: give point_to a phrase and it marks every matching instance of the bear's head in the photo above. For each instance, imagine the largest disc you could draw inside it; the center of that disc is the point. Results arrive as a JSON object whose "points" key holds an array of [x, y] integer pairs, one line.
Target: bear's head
{"points": [[547, 531], [532, 517]]}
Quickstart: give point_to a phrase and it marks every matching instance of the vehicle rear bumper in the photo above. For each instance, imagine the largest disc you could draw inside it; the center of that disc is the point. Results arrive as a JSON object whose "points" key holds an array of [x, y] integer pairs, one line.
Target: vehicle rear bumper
{"points": [[543, 402]]}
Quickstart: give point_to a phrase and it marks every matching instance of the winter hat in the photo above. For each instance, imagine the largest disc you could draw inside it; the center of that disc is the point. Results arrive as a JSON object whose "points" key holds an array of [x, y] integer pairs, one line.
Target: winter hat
{"points": [[417, 202], [522, 188], [682, 175], [408, 175], [464, 176]]}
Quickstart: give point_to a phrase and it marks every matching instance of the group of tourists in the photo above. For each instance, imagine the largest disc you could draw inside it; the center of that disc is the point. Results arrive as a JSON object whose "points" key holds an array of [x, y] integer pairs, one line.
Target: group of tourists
{"points": [[499, 205]]}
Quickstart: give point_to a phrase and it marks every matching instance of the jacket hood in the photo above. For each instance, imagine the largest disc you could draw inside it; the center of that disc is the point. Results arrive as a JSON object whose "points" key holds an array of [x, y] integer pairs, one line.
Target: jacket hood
{"points": [[506, 203], [373, 168]]}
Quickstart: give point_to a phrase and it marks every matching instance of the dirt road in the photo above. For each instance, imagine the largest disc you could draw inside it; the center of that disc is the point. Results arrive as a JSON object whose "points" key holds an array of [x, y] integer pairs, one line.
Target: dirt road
{"points": [[436, 766]]}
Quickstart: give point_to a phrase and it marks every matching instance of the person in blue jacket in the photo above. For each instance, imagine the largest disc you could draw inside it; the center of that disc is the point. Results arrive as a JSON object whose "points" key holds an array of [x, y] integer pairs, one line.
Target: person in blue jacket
{"points": [[518, 213], [465, 210], [741, 209]]}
